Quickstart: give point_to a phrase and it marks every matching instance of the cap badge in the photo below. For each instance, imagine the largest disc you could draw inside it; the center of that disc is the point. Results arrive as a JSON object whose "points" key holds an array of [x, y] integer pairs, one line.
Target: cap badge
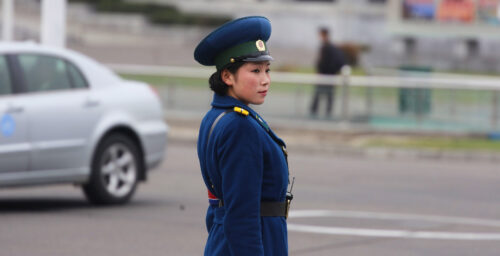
{"points": [[260, 45]]}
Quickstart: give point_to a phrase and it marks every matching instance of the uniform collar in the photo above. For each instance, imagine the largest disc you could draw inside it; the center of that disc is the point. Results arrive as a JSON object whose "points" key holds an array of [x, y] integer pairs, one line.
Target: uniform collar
{"points": [[226, 101]]}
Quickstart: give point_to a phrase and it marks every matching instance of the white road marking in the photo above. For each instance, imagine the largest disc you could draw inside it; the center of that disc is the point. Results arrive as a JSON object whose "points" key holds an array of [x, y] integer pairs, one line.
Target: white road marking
{"points": [[393, 216], [393, 233]]}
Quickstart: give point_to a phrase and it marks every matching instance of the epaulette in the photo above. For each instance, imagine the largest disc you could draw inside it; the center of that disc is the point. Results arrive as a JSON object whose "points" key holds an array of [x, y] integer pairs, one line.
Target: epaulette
{"points": [[241, 111]]}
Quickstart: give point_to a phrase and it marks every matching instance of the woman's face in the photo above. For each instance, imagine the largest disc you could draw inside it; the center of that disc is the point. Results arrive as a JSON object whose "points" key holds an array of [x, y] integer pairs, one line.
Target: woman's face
{"points": [[250, 83]]}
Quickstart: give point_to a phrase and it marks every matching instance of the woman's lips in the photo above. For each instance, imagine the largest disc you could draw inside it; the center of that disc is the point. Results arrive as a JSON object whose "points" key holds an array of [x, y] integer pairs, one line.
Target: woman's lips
{"points": [[263, 93]]}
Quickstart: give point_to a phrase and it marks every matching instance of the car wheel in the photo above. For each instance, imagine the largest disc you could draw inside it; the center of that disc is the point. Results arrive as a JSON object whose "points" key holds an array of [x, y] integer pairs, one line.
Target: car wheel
{"points": [[115, 168]]}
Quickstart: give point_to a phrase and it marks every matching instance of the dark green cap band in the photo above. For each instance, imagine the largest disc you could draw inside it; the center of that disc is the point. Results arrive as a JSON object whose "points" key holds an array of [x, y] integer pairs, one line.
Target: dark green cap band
{"points": [[239, 52]]}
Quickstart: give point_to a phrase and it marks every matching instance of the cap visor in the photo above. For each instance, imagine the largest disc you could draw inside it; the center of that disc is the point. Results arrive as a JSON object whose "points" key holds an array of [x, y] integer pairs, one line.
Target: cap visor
{"points": [[259, 59]]}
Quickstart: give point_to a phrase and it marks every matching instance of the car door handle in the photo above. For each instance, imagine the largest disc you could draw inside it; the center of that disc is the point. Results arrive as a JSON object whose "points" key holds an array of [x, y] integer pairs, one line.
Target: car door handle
{"points": [[90, 103], [15, 109]]}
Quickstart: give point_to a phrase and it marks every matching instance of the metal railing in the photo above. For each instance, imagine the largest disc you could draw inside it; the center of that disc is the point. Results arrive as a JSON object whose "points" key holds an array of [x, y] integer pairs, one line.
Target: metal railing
{"points": [[455, 102]]}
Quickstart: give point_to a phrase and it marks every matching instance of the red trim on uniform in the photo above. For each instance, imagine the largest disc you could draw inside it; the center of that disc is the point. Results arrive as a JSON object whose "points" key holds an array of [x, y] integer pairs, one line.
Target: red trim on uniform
{"points": [[212, 196]]}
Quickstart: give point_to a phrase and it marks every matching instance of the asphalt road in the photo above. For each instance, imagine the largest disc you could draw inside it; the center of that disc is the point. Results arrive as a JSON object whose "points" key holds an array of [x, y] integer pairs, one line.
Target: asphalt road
{"points": [[368, 207]]}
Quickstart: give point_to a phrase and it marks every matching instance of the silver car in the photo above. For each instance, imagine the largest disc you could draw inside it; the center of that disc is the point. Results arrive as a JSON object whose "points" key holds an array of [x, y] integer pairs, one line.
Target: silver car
{"points": [[64, 118]]}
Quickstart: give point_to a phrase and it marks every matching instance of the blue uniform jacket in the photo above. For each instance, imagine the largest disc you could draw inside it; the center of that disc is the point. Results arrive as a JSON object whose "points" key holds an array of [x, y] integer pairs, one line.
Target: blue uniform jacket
{"points": [[246, 166]]}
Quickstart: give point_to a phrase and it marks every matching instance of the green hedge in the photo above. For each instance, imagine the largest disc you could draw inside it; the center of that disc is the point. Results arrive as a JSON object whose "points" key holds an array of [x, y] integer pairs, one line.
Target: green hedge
{"points": [[158, 14]]}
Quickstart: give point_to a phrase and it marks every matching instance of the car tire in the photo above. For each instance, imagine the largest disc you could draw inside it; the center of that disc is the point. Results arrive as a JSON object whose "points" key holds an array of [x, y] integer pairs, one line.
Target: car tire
{"points": [[115, 170]]}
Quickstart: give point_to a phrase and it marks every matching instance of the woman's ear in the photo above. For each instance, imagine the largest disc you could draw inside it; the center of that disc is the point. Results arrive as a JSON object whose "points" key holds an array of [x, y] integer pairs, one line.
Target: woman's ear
{"points": [[227, 77]]}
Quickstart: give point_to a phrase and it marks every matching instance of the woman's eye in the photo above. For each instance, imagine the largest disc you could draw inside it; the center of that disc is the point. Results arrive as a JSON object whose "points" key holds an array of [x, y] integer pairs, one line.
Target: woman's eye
{"points": [[268, 70], [256, 71]]}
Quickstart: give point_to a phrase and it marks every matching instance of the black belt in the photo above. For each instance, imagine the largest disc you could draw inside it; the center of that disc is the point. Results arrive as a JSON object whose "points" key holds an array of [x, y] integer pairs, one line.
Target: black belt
{"points": [[269, 209], [274, 209]]}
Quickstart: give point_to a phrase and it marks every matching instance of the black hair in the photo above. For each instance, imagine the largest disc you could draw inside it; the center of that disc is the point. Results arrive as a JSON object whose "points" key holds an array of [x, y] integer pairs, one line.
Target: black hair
{"points": [[217, 84]]}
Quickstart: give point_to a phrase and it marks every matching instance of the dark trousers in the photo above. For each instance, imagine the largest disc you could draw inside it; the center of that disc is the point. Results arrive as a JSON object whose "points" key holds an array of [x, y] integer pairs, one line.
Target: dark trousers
{"points": [[321, 91]]}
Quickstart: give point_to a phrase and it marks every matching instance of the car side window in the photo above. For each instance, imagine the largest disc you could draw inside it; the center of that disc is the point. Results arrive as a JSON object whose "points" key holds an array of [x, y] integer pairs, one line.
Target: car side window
{"points": [[44, 73], [76, 77], [5, 81]]}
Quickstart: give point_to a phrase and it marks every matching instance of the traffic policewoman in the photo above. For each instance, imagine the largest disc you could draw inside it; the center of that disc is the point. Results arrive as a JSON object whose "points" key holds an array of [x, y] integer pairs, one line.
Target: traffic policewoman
{"points": [[243, 162]]}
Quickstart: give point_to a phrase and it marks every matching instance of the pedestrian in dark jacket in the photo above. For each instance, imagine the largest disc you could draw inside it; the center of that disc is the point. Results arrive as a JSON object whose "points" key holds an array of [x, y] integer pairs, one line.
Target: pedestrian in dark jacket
{"points": [[330, 61], [243, 162]]}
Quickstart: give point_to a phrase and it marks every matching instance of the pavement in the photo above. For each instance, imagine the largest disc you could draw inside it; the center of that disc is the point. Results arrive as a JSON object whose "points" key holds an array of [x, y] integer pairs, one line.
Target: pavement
{"points": [[342, 206]]}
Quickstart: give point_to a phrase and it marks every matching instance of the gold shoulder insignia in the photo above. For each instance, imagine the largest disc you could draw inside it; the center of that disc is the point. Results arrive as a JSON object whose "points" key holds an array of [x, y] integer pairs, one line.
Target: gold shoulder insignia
{"points": [[241, 111]]}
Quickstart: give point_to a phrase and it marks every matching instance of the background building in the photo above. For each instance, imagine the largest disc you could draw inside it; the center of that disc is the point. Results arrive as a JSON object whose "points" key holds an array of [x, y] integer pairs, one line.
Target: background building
{"points": [[389, 33]]}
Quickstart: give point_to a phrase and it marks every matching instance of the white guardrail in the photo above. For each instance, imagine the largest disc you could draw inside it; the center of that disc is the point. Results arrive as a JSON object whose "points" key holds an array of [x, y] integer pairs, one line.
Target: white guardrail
{"points": [[389, 79], [394, 79]]}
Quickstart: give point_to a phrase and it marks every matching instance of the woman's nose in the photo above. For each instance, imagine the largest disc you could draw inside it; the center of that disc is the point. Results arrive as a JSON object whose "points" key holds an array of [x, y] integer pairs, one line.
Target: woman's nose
{"points": [[266, 80]]}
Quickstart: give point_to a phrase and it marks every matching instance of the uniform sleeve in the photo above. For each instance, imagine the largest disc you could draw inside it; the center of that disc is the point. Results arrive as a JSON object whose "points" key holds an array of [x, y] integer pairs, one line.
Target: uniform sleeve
{"points": [[241, 165]]}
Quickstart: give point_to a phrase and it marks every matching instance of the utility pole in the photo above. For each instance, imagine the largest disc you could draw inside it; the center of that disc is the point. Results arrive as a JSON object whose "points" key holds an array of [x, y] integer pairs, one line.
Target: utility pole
{"points": [[7, 20], [53, 30]]}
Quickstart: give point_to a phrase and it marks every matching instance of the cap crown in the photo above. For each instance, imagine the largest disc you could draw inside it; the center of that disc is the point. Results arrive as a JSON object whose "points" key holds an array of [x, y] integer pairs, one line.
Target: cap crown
{"points": [[234, 39]]}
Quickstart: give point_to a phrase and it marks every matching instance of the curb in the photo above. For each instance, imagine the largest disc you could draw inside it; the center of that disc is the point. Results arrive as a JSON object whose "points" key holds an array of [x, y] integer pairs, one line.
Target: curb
{"points": [[184, 129]]}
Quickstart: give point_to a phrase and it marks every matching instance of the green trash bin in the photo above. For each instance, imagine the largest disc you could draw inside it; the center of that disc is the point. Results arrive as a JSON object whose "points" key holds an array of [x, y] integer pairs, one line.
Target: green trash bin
{"points": [[415, 100]]}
